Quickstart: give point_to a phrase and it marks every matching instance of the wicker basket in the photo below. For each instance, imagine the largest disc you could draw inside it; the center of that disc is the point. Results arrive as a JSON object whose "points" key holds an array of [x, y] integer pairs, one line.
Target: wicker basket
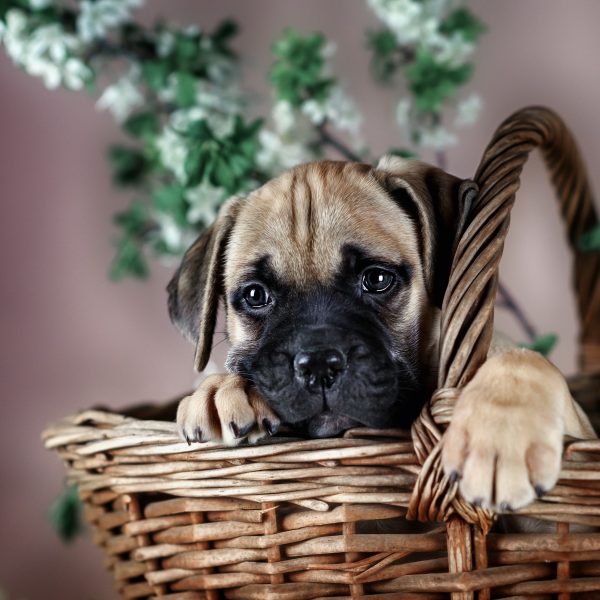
{"points": [[328, 518]]}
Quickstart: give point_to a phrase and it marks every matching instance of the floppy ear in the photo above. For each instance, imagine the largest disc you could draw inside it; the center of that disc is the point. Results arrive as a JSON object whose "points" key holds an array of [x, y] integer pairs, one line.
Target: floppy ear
{"points": [[439, 205], [195, 288]]}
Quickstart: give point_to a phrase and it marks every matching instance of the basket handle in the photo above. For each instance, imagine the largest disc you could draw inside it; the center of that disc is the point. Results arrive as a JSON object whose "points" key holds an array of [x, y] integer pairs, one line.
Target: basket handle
{"points": [[468, 308]]}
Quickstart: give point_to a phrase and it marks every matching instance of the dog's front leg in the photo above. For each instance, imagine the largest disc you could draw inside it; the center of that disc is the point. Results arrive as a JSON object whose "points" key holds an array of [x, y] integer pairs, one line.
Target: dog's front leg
{"points": [[225, 408], [505, 440]]}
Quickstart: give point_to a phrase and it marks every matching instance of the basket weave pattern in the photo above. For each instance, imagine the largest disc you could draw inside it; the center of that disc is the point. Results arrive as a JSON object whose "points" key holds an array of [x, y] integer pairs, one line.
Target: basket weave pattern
{"points": [[327, 518]]}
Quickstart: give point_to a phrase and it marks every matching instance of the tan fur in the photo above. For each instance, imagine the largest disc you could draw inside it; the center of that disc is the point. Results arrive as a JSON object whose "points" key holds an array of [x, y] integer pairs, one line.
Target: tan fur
{"points": [[316, 209], [506, 435], [221, 400], [505, 438]]}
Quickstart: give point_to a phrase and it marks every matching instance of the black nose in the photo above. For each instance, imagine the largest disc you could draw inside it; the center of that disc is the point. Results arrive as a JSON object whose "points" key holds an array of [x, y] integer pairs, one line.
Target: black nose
{"points": [[319, 368]]}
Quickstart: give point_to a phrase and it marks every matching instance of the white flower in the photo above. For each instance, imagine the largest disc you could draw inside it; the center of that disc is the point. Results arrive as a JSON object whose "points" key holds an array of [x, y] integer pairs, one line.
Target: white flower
{"points": [[39, 4], [192, 30], [97, 18], [216, 98], [45, 52], [468, 110], [15, 36], [338, 108], [75, 74], [453, 50], [176, 238], [181, 119], [51, 40], [284, 116], [221, 69], [164, 43], [403, 112], [121, 98], [342, 111], [315, 111], [204, 200], [40, 66], [404, 17], [413, 22], [437, 138], [329, 50], [173, 152], [278, 154]]}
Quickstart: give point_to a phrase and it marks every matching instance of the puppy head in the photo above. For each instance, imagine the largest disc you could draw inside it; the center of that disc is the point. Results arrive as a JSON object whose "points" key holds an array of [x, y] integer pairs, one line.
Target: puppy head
{"points": [[332, 275]]}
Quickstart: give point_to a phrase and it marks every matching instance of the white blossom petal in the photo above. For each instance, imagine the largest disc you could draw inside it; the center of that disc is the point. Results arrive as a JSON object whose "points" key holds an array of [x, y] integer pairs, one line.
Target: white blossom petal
{"points": [[75, 74], [121, 98], [277, 154], [39, 4], [468, 110], [403, 112], [437, 138], [204, 200], [173, 152], [97, 18]]}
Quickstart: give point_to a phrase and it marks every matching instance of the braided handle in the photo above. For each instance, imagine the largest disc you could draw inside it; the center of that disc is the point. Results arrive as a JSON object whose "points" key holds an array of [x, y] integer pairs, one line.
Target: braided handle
{"points": [[468, 309]]}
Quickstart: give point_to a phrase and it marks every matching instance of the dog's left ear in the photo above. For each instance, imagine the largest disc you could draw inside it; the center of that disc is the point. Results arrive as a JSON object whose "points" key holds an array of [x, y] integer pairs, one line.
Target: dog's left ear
{"points": [[438, 203], [195, 288]]}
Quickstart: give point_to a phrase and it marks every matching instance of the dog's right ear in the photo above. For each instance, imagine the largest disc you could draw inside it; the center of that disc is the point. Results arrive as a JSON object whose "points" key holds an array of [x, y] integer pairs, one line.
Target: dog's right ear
{"points": [[197, 285]]}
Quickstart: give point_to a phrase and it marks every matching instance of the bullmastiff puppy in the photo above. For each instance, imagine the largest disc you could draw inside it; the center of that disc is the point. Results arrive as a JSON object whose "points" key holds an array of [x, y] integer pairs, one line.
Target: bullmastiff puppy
{"points": [[332, 276]]}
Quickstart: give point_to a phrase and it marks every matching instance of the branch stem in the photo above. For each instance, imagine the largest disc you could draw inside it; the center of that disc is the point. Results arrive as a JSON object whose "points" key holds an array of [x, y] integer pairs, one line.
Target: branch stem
{"points": [[328, 139], [507, 301]]}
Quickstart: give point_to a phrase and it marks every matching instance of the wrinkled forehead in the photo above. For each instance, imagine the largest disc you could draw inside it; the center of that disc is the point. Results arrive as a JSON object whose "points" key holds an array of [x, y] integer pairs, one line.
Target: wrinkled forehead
{"points": [[304, 218]]}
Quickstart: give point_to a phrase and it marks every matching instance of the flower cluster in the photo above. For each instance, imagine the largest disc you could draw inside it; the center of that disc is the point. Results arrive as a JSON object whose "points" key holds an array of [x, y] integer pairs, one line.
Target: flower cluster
{"points": [[430, 42], [175, 94], [44, 50], [308, 100]]}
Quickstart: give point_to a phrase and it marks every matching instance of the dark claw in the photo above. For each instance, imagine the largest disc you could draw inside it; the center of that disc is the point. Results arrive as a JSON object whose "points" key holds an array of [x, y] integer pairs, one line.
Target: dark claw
{"points": [[540, 490], [240, 433], [505, 507], [187, 439], [198, 435], [477, 502], [453, 477], [270, 427]]}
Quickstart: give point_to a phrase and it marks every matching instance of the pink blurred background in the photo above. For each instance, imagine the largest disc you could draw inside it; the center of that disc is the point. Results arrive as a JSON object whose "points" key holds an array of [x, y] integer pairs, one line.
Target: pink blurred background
{"points": [[72, 339]]}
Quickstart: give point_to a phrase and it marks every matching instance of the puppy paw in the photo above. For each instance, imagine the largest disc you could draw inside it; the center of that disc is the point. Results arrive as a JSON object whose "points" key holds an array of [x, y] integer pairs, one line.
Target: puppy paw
{"points": [[225, 408], [505, 440]]}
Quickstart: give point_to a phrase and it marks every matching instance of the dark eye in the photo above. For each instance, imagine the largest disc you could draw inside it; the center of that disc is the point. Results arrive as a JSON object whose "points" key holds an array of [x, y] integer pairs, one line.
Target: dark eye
{"points": [[376, 280], [256, 296]]}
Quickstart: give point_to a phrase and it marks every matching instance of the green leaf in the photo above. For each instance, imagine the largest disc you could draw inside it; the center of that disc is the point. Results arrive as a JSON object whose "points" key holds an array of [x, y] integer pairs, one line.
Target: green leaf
{"points": [[155, 73], [432, 83], [129, 260], [402, 153], [223, 174], [65, 514], [225, 31], [386, 58], [186, 86], [171, 200], [134, 220], [543, 344], [590, 241], [382, 41], [142, 124], [128, 164], [463, 22], [195, 165], [187, 51], [199, 130], [297, 72]]}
